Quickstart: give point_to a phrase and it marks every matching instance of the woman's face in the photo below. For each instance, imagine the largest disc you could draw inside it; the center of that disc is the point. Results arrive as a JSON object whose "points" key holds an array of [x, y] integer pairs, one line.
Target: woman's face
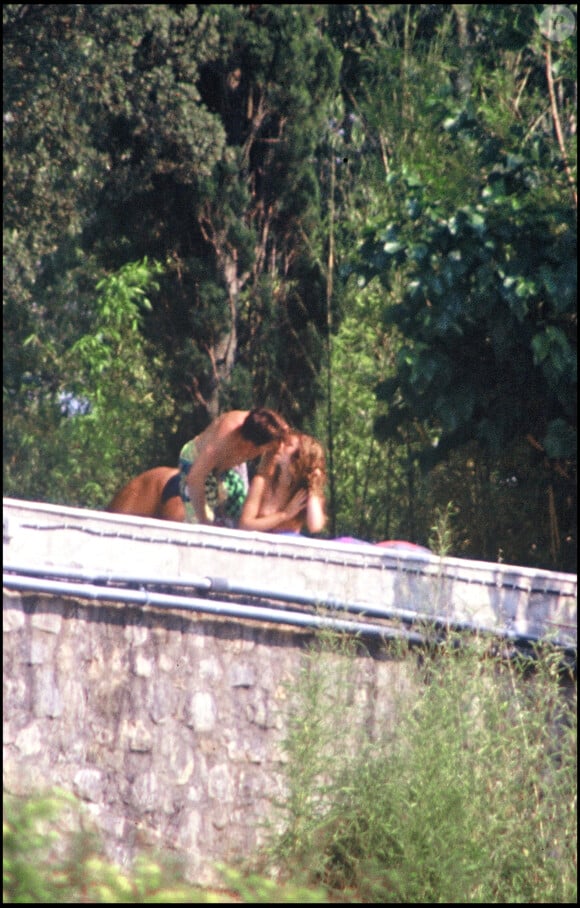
{"points": [[288, 447]]}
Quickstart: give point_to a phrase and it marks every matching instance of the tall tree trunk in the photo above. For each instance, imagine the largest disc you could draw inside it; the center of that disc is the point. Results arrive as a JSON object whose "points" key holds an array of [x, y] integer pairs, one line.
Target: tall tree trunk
{"points": [[329, 293], [222, 352], [462, 11]]}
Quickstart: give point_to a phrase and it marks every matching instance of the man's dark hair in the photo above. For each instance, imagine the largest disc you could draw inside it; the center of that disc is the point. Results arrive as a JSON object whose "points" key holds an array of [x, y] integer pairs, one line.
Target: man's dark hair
{"points": [[261, 426]]}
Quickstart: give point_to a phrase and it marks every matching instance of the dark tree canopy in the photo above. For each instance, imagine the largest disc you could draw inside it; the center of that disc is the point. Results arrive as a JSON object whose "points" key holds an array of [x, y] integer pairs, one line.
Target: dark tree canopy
{"points": [[186, 192]]}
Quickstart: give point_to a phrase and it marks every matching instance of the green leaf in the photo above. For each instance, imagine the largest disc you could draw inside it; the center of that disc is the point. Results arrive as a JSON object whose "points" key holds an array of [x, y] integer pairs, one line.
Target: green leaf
{"points": [[392, 247]]}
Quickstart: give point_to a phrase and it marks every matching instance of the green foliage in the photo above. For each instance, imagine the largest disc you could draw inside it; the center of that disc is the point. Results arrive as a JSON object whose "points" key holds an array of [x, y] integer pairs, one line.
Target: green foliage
{"points": [[370, 479], [487, 322], [197, 150], [108, 393], [491, 349], [48, 857], [26, 843], [250, 149], [454, 183], [255, 889], [123, 387], [441, 540], [469, 795]]}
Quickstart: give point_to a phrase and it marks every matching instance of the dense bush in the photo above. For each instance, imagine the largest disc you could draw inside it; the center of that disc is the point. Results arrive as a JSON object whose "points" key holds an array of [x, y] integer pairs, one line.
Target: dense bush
{"points": [[472, 796], [468, 795]]}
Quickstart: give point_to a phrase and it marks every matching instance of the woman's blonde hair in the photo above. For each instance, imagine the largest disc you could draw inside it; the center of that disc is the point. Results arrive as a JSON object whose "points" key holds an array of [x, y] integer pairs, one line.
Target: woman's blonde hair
{"points": [[307, 466]]}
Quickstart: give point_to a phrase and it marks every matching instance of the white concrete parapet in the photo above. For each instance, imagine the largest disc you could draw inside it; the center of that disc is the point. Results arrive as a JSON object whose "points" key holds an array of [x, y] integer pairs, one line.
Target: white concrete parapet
{"points": [[498, 597]]}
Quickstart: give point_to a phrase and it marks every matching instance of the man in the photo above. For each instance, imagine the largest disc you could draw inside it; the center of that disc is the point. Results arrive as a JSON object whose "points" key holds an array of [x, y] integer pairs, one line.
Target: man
{"points": [[213, 476], [211, 483]]}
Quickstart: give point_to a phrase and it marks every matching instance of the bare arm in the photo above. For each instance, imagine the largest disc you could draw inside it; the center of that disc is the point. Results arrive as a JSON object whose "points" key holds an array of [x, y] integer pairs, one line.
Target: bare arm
{"points": [[251, 519], [218, 449], [315, 515], [315, 510], [196, 483]]}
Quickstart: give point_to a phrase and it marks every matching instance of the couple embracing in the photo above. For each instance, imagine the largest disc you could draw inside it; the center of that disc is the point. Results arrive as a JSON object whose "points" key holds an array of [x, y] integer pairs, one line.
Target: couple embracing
{"points": [[211, 486]]}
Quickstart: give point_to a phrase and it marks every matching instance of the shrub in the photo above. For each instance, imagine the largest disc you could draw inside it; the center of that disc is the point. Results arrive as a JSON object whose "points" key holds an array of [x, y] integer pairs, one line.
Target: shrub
{"points": [[472, 799]]}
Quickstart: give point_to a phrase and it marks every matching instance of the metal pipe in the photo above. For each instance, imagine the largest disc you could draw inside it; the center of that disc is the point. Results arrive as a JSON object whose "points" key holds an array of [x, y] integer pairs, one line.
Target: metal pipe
{"points": [[298, 619], [199, 583], [223, 585]]}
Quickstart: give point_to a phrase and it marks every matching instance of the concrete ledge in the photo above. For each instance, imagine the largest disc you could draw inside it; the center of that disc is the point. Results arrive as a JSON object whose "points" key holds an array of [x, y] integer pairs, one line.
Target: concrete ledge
{"points": [[482, 594]]}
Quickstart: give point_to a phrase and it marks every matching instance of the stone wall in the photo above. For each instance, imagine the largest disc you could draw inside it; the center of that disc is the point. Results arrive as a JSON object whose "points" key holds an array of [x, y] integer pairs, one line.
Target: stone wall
{"points": [[168, 726]]}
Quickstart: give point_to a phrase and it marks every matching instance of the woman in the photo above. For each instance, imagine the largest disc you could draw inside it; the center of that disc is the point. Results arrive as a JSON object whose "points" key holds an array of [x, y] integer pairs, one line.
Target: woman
{"points": [[287, 493], [213, 481]]}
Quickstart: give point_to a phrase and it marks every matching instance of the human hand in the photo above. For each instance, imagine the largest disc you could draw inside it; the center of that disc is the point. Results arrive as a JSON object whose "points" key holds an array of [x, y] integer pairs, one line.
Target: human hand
{"points": [[297, 503]]}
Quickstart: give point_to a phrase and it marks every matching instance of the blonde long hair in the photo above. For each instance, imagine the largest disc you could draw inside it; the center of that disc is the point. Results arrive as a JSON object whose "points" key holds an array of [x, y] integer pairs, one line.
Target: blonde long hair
{"points": [[308, 458]]}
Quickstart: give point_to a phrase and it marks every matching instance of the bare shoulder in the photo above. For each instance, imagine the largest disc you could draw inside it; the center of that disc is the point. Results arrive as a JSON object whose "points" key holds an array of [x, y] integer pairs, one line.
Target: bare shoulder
{"points": [[228, 422], [216, 445]]}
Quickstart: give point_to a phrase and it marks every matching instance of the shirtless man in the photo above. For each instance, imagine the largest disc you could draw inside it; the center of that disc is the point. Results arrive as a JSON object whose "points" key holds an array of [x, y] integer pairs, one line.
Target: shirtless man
{"points": [[287, 493], [213, 477]]}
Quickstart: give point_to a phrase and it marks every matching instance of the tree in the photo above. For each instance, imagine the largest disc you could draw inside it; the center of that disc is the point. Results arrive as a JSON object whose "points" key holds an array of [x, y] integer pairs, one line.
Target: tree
{"points": [[99, 418], [68, 152], [174, 159], [481, 109], [249, 149], [489, 318], [229, 233]]}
